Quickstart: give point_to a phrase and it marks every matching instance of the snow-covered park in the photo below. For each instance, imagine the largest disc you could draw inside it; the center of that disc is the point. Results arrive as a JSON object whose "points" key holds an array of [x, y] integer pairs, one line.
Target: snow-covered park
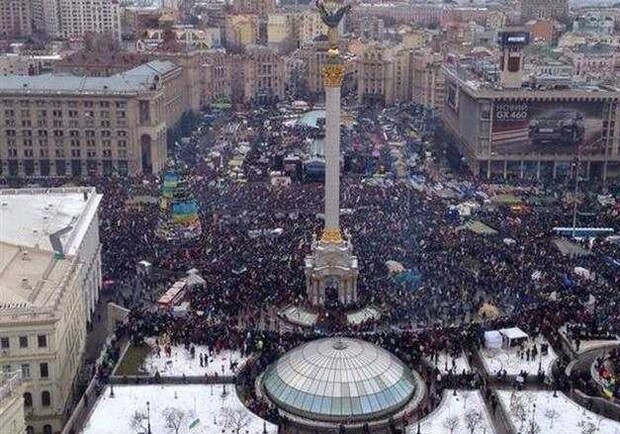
{"points": [[181, 362], [552, 414], [195, 409], [495, 359], [464, 412], [445, 363]]}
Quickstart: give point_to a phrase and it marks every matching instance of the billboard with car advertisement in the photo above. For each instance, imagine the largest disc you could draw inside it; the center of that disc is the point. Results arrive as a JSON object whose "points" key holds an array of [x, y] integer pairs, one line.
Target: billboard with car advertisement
{"points": [[548, 127]]}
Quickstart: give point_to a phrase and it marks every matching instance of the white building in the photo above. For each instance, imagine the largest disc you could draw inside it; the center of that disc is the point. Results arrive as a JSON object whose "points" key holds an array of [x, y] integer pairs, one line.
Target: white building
{"points": [[50, 275], [78, 17], [12, 404]]}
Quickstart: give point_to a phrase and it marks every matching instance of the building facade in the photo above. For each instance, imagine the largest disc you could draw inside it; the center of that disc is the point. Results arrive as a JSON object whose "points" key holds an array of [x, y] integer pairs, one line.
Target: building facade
{"points": [[62, 125], [50, 278], [427, 80], [77, 18], [241, 30], [15, 19], [533, 132], [384, 74], [12, 415], [544, 9], [45, 16], [264, 74]]}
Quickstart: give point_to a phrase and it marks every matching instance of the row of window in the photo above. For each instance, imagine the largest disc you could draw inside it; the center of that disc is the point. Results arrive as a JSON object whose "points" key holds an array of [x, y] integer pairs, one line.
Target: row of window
{"points": [[60, 133], [5, 342], [46, 399], [60, 153], [44, 371], [8, 113], [57, 104], [58, 123]]}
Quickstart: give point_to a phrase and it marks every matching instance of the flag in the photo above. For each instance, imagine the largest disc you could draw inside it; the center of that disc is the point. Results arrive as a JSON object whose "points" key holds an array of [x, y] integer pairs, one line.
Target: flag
{"points": [[194, 424]]}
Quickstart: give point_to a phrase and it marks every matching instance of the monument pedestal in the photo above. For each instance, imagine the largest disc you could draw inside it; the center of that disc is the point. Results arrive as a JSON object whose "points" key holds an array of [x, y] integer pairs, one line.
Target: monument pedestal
{"points": [[331, 264]]}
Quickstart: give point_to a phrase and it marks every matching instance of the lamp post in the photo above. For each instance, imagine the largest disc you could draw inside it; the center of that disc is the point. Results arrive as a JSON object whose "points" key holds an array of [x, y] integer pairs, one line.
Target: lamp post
{"points": [[148, 418]]}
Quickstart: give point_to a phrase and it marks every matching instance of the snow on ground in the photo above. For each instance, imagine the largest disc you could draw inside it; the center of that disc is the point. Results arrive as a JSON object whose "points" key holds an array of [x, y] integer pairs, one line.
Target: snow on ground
{"points": [[299, 316], [456, 407], [446, 363], [507, 358], [363, 315], [114, 415], [567, 414], [181, 362]]}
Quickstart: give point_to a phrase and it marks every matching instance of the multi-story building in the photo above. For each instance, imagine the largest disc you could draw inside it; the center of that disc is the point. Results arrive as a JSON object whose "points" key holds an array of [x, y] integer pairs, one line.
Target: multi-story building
{"points": [[61, 125], [77, 18], [15, 18], [241, 30], [544, 9], [25, 64], [187, 37], [12, 416], [254, 6], [50, 275], [383, 74], [594, 22], [216, 76], [264, 74], [592, 63], [45, 17], [506, 127], [280, 29], [427, 80], [546, 30], [424, 14]]}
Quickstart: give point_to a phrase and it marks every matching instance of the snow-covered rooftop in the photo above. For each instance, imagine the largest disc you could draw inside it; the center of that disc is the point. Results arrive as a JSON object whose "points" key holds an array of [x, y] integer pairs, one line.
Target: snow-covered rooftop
{"points": [[203, 407], [52, 220]]}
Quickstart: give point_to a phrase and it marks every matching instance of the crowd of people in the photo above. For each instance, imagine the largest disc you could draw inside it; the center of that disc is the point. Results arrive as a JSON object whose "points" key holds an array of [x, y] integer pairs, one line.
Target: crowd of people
{"points": [[250, 276]]}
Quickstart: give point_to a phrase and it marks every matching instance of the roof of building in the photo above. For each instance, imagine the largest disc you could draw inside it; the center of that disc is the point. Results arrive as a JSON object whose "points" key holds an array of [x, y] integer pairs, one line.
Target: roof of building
{"points": [[51, 220], [137, 79], [41, 231], [340, 379]]}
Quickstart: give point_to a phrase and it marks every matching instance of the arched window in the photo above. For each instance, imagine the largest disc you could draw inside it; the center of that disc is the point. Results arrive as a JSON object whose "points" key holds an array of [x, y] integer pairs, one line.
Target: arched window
{"points": [[27, 399], [29, 430], [47, 429], [46, 400]]}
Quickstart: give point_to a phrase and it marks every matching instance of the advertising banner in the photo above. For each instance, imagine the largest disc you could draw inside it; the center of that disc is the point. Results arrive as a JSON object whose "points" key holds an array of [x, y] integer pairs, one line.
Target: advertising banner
{"points": [[547, 127]]}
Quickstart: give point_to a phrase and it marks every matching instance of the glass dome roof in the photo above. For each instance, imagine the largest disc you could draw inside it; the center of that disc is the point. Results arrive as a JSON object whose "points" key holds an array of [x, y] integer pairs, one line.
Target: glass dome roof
{"points": [[338, 379]]}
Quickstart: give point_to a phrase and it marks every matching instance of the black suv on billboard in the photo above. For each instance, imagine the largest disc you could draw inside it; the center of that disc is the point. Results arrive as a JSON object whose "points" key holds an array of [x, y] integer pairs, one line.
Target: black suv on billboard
{"points": [[560, 126]]}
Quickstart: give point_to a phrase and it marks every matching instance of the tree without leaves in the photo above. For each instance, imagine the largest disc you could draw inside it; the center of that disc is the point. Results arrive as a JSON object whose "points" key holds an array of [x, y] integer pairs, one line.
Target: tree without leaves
{"points": [[235, 419], [138, 421], [174, 418], [451, 423], [473, 419], [587, 427], [551, 414], [532, 427]]}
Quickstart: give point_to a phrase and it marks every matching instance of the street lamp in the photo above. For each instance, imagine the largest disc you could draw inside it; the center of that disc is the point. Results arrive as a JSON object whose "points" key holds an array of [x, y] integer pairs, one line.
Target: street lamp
{"points": [[576, 163], [148, 418]]}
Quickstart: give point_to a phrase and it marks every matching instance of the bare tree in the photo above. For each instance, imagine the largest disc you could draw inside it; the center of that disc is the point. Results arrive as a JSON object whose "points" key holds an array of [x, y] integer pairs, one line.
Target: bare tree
{"points": [[532, 427], [587, 427], [551, 414], [235, 419], [138, 422], [174, 418], [451, 423], [518, 409], [466, 394], [473, 419]]}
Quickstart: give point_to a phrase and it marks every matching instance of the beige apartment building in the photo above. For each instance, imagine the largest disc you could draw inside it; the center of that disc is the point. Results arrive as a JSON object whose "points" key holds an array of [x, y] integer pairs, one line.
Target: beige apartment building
{"points": [[60, 125], [383, 74], [77, 17], [427, 80], [264, 74], [241, 30], [15, 18], [12, 416], [50, 271]]}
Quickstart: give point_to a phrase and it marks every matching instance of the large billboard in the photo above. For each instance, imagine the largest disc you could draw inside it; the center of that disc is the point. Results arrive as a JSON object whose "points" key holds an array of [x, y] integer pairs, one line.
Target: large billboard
{"points": [[548, 127]]}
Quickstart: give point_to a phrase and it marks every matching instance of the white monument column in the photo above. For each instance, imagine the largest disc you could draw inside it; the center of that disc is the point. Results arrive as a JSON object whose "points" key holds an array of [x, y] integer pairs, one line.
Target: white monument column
{"points": [[333, 74]]}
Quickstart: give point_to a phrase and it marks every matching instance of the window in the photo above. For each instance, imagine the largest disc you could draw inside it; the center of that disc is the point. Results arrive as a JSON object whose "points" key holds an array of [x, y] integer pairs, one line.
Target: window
{"points": [[42, 339], [28, 401], [44, 368], [25, 371], [23, 342], [6, 369], [4, 343], [46, 399], [47, 429]]}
